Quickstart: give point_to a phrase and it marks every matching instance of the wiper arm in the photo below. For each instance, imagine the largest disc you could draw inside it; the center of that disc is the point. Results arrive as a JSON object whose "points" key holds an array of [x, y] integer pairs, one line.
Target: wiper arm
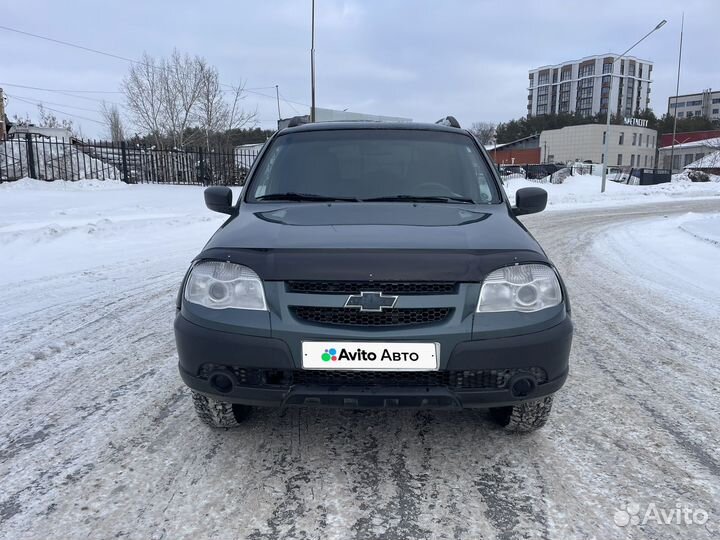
{"points": [[294, 196], [420, 198]]}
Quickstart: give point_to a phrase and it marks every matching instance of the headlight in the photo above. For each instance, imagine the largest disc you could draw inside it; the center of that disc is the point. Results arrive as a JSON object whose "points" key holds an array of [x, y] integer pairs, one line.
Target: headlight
{"points": [[524, 287], [224, 285]]}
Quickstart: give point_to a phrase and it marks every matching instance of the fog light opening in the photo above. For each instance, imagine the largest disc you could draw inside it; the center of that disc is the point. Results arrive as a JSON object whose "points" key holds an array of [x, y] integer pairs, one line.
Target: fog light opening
{"points": [[523, 386], [221, 382]]}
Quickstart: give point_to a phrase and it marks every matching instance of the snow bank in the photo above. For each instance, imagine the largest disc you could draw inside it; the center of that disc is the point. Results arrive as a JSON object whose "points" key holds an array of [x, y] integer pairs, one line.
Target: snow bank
{"points": [[584, 191], [703, 228], [53, 159], [51, 228], [677, 256], [29, 184]]}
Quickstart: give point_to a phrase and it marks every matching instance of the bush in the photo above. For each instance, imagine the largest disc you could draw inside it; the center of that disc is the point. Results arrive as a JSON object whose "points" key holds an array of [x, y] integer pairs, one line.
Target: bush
{"points": [[698, 176]]}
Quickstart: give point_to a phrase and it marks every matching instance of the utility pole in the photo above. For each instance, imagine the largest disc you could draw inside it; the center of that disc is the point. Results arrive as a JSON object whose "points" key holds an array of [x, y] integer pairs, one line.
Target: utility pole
{"points": [[677, 91], [312, 65], [3, 127], [611, 74], [277, 96]]}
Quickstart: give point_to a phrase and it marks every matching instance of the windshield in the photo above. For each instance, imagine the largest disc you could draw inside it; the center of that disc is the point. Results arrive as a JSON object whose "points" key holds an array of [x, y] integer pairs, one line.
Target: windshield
{"points": [[373, 164]]}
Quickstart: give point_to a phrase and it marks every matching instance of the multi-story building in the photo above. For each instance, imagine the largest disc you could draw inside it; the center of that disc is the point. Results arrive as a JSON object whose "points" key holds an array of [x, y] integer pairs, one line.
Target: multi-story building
{"points": [[705, 104], [583, 86]]}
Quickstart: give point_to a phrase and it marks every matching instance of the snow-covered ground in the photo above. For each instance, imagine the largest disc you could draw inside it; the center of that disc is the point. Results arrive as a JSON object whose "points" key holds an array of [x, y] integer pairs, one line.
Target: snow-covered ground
{"points": [[583, 191], [677, 256], [99, 438], [50, 228]]}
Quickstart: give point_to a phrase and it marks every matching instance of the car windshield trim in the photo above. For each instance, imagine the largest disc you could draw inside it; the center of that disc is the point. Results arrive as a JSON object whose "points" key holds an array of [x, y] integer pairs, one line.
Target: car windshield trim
{"points": [[299, 197], [422, 198]]}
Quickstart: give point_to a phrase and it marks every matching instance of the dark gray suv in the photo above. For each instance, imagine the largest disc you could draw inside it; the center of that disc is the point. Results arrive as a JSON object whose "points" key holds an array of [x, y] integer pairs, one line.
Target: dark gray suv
{"points": [[373, 265]]}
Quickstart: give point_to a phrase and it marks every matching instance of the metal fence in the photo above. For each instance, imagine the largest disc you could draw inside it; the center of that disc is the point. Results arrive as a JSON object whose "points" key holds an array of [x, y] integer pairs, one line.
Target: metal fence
{"points": [[46, 158], [555, 174]]}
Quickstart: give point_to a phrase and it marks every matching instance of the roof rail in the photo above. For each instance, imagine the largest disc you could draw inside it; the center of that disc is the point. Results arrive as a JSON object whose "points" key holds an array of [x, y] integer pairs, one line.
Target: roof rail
{"points": [[449, 121], [297, 121]]}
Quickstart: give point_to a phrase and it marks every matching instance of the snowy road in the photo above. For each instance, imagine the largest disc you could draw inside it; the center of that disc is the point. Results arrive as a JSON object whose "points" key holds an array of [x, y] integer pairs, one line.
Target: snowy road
{"points": [[99, 438]]}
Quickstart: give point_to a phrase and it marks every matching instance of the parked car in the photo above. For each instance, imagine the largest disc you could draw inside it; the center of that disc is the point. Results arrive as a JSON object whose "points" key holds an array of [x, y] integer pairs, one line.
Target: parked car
{"points": [[373, 265]]}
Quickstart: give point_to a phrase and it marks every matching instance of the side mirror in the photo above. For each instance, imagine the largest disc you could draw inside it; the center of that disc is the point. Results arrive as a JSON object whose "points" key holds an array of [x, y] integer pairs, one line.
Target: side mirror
{"points": [[530, 200], [219, 199]]}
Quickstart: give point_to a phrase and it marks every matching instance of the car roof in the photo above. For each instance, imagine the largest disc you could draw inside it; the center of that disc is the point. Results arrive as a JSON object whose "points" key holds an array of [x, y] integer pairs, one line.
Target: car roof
{"points": [[329, 126]]}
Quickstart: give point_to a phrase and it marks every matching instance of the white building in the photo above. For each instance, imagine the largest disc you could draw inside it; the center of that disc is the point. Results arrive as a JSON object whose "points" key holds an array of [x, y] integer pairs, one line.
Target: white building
{"points": [[629, 146], [583, 86], [687, 153], [39, 131], [705, 104]]}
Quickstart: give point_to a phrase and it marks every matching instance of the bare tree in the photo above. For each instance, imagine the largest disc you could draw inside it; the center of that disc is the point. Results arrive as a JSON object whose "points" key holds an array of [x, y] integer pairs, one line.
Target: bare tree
{"points": [[143, 89], [212, 111], [182, 80], [484, 131], [111, 116], [181, 99], [48, 119]]}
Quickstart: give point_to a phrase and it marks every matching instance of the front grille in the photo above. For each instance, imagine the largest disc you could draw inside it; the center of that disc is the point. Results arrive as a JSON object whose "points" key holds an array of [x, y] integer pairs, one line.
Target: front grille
{"points": [[483, 378], [417, 288], [342, 316], [480, 378]]}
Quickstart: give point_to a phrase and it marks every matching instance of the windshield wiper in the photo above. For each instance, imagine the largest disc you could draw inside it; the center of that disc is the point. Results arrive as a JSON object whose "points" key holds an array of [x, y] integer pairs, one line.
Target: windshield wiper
{"points": [[421, 198], [294, 196]]}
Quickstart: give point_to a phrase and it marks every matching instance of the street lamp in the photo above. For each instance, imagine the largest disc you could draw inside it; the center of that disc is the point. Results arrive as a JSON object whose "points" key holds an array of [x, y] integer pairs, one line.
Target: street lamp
{"points": [[607, 123]]}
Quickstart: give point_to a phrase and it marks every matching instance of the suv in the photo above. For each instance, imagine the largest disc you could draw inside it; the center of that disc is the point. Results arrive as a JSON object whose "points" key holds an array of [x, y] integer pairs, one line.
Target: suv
{"points": [[373, 265]]}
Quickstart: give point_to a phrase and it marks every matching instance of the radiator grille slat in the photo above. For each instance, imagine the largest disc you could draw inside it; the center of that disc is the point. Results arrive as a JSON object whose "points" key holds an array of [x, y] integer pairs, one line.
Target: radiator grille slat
{"points": [[354, 317]]}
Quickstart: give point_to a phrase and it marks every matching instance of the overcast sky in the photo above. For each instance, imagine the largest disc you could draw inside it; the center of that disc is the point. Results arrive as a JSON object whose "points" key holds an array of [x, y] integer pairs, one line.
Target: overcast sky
{"points": [[418, 59]]}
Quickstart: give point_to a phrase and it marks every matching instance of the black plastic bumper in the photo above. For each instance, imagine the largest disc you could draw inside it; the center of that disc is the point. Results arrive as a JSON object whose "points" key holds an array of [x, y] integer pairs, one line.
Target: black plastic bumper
{"points": [[548, 350]]}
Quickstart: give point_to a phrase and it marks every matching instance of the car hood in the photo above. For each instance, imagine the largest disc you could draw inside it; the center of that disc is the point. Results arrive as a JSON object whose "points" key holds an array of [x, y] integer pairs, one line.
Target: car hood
{"points": [[353, 241]]}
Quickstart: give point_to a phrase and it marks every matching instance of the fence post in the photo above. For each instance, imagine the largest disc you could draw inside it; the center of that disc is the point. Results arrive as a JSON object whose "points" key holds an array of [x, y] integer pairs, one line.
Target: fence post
{"points": [[30, 155], [123, 147], [202, 166]]}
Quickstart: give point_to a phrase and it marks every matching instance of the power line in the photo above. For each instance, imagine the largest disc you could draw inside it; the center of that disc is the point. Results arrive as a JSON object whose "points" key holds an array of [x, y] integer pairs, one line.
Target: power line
{"points": [[63, 92], [126, 59], [27, 98], [68, 44], [64, 112], [290, 104]]}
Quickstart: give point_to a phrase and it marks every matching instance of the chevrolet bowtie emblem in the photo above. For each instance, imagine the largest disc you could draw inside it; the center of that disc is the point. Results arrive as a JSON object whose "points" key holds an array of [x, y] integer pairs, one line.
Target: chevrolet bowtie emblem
{"points": [[371, 301]]}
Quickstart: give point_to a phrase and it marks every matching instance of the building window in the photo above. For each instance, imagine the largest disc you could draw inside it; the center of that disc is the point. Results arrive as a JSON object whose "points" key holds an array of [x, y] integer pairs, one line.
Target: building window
{"points": [[699, 156], [646, 161], [619, 159], [640, 139], [622, 138], [688, 159], [632, 160], [676, 162], [587, 70], [716, 100], [607, 68], [681, 114], [653, 143], [689, 114], [678, 104], [604, 135], [634, 143], [694, 103], [698, 113], [716, 111]]}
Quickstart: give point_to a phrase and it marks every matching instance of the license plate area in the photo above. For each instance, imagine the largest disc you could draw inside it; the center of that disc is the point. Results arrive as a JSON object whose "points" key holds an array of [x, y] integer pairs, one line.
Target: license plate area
{"points": [[370, 356]]}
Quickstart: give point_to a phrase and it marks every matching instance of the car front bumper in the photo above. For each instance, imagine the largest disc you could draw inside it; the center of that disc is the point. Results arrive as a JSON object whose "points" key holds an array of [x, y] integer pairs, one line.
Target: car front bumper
{"points": [[476, 373]]}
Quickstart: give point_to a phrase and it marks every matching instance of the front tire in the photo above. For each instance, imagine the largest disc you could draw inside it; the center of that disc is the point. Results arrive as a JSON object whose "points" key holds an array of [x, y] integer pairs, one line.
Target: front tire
{"points": [[524, 417], [219, 414]]}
